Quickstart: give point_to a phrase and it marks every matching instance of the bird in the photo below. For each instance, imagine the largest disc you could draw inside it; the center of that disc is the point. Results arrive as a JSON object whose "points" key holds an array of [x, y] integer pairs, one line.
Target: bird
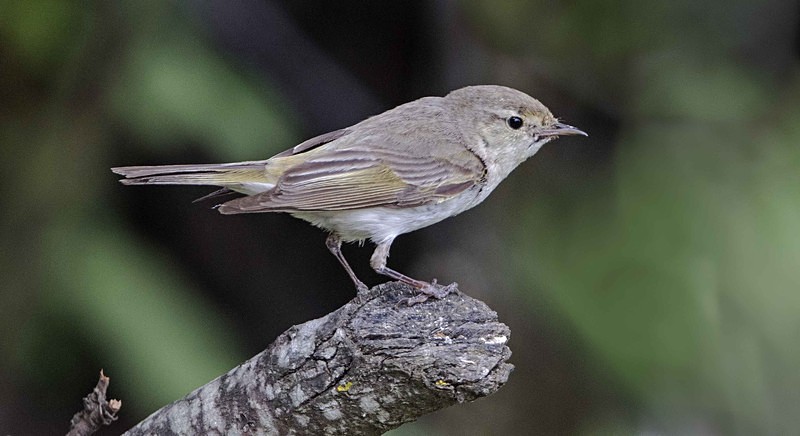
{"points": [[390, 174]]}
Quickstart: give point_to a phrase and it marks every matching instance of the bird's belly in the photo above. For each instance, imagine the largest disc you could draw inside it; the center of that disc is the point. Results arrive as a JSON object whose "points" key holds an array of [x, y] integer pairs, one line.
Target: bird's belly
{"points": [[384, 223]]}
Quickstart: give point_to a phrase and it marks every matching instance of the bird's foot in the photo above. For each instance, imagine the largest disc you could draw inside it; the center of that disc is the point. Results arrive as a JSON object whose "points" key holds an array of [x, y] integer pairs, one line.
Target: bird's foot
{"points": [[431, 290], [361, 288]]}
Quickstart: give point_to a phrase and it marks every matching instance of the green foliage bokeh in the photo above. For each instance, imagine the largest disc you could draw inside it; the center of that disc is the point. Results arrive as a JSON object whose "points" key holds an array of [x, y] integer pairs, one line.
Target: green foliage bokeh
{"points": [[671, 264]]}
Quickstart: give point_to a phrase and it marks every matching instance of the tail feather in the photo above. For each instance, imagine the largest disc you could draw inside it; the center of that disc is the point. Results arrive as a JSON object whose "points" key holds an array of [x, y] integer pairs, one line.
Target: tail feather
{"points": [[222, 192], [243, 177], [211, 179], [153, 170]]}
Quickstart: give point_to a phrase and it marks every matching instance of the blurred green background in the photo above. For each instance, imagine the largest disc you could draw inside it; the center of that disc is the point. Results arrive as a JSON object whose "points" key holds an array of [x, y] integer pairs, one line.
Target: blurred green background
{"points": [[650, 273]]}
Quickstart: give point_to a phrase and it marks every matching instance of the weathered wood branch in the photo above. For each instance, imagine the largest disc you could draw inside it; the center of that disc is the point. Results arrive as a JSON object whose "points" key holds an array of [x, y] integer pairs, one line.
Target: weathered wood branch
{"points": [[366, 368], [96, 412]]}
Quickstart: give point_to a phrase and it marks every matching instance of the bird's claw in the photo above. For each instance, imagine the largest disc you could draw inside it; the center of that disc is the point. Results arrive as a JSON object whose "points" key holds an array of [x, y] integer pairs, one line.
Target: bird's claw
{"points": [[361, 288], [431, 290]]}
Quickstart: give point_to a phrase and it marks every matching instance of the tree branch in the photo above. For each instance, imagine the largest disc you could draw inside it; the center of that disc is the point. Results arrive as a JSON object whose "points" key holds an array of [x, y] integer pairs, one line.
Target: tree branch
{"points": [[366, 368], [96, 412]]}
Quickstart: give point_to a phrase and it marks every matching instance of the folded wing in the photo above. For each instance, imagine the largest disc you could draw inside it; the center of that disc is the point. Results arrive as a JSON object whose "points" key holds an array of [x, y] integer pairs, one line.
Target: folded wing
{"points": [[358, 177]]}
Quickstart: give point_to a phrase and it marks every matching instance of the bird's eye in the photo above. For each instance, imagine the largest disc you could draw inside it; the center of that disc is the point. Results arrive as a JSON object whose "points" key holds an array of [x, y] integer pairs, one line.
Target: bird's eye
{"points": [[515, 122]]}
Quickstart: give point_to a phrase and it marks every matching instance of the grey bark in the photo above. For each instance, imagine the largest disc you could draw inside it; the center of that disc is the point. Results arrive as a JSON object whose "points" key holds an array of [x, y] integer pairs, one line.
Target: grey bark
{"points": [[97, 410], [366, 368]]}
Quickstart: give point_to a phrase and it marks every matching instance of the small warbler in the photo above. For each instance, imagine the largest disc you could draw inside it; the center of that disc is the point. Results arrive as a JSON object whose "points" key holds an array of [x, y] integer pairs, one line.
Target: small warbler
{"points": [[393, 173]]}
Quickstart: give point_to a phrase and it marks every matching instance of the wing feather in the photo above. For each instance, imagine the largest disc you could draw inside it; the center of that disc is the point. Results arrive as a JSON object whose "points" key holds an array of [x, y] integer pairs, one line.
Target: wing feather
{"points": [[391, 162], [348, 179]]}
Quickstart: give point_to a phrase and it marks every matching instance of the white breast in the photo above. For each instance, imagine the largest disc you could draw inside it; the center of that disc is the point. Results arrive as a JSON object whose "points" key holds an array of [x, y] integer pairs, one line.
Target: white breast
{"points": [[380, 224]]}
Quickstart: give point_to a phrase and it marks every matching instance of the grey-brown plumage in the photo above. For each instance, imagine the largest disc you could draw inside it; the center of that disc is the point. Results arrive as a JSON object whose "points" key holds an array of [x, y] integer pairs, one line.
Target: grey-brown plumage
{"points": [[390, 174]]}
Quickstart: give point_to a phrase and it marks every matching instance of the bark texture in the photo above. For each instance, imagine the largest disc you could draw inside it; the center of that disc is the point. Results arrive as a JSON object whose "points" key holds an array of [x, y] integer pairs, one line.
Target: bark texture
{"points": [[96, 412], [366, 368]]}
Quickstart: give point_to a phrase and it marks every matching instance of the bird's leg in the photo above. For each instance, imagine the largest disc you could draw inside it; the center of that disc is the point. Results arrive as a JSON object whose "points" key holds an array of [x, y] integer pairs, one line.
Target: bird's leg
{"points": [[334, 244], [378, 263]]}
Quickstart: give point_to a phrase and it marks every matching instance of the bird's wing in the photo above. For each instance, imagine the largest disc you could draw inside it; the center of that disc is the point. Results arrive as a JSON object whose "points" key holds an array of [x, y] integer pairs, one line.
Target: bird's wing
{"points": [[314, 142], [360, 177]]}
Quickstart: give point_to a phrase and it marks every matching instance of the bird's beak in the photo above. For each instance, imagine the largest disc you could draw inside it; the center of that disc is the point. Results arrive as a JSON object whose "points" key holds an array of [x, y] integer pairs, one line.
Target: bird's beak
{"points": [[561, 129]]}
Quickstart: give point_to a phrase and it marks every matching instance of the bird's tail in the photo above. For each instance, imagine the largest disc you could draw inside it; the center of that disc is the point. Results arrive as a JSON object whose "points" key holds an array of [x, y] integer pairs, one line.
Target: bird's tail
{"points": [[244, 177]]}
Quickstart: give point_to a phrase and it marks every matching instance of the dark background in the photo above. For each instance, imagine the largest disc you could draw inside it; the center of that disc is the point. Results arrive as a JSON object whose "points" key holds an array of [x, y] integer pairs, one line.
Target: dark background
{"points": [[649, 273]]}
